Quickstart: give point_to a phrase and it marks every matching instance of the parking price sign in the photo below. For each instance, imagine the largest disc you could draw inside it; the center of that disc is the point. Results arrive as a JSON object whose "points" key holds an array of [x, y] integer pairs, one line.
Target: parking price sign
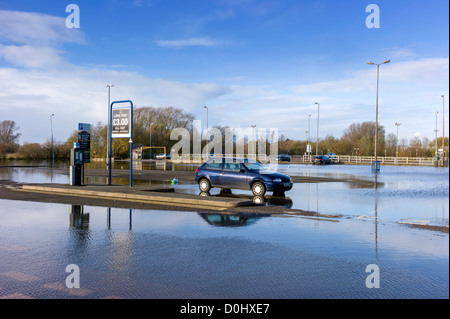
{"points": [[121, 121]]}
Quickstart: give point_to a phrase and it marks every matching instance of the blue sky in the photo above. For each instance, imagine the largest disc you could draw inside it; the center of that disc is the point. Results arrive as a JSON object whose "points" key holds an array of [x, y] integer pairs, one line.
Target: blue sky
{"points": [[251, 62]]}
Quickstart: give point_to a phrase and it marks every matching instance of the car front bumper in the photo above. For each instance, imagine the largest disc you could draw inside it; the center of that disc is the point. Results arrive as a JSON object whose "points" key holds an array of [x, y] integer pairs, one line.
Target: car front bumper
{"points": [[271, 186]]}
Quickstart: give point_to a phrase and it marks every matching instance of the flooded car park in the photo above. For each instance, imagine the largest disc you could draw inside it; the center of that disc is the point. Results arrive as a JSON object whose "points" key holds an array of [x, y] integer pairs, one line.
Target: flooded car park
{"points": [[123, 253], [140, 253]]}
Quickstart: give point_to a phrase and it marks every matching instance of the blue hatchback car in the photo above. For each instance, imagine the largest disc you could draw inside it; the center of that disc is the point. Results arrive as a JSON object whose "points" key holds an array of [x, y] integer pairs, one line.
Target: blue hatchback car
{"points": [[240, 173]]}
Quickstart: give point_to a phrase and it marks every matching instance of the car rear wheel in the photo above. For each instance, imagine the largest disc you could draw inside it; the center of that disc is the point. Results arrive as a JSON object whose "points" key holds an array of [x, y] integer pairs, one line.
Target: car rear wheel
{"points": [[258, 189], [204, 185]]}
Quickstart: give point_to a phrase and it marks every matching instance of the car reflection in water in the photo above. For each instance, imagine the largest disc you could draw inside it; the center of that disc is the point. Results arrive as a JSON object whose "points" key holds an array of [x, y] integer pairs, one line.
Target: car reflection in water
{"points": [[232, 220], [279, 200]]}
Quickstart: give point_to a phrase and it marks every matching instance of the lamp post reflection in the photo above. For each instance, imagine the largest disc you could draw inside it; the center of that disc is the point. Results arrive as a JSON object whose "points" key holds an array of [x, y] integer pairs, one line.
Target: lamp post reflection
{"points": [[376, 226]]}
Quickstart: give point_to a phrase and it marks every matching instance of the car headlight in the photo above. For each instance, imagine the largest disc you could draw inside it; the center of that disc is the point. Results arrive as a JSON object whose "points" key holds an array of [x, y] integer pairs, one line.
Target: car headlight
{"points": [[277, 180]]}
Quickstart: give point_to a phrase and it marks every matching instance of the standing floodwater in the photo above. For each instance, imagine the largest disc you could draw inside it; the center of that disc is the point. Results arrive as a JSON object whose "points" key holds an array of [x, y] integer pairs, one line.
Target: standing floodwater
{"points": [[162, 254]]}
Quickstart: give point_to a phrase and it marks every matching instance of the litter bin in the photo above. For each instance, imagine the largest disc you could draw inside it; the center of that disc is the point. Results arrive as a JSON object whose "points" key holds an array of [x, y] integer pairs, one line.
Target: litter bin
{"points": [[376, 166]]}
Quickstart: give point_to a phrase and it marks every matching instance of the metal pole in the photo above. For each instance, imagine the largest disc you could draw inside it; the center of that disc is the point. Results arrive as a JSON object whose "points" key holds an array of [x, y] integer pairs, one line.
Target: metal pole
{"points": [[309, 132], [356, 149], [396, 150], [131, 145], [435, 136], [254, 140], [207, 133], [317, 139], [150, 156], [307, 142], [396, 146], [109, 86], [131, 161], [109, 142], [376, 118], [443, 132], [51, 129]]}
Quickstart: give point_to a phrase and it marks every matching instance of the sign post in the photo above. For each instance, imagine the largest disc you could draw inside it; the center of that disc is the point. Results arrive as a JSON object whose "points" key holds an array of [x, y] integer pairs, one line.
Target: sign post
{"points": [[121, 125]]}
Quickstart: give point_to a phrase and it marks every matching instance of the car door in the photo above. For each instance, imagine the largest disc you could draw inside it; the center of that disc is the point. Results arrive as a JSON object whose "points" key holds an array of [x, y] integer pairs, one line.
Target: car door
{"points": [[232, 176], [213, 171]]}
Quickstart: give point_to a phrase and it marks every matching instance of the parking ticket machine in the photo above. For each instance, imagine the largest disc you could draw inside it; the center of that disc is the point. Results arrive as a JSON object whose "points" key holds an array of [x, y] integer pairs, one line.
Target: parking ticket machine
{"points": [[76, 165]]}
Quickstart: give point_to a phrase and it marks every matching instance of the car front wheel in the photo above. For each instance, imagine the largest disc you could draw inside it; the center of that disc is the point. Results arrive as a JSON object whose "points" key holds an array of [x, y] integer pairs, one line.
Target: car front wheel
{"points": [[258, 189], [204, 185]]}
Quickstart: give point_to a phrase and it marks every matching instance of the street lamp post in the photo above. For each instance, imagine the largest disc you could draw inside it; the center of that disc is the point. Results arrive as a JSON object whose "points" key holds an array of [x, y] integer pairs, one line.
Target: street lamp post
{"points": [[317, 139], [150, 155], [443, 132], [308, 148], [396, 146], [435, 136], [254, 140], [376, 116], [207, 133], [109, 86], [307, 142], [51, 130]]}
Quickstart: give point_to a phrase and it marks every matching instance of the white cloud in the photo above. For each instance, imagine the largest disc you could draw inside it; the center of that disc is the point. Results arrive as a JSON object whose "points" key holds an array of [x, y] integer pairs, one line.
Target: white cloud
{"points": [[206, 42], [423, 72], [78, 95], [36, 29], [34, 40], [33, 57], [398, 52]]}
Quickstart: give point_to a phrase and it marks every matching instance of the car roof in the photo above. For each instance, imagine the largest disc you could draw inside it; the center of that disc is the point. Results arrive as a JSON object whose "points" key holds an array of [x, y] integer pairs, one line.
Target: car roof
{"points": [[231, 158]]}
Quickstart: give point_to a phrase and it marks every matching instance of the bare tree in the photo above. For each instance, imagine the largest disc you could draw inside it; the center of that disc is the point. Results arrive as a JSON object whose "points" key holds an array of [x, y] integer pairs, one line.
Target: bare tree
{"points": [[162, 120], [361, 135], [9, 137]]}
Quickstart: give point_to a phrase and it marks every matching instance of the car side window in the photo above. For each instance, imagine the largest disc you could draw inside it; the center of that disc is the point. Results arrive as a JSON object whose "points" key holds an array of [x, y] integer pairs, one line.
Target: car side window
{"points": [[232, 167], [214, 165]]}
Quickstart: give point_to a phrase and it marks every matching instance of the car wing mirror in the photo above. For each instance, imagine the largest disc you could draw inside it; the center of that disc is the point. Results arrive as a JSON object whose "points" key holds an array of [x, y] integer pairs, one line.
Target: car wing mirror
{"points": [[242, 170]]}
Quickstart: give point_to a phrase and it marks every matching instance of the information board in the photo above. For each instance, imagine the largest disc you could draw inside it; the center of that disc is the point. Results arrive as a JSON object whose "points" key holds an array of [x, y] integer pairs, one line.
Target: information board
{"points": [[121, 121], [84, 141]]}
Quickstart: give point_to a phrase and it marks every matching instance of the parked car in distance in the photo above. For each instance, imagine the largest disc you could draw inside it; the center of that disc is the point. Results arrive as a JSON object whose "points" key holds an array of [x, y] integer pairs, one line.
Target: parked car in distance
{"points": [[240, 173], [283, 158], [162, 156], [332, 157], [321, 159]]}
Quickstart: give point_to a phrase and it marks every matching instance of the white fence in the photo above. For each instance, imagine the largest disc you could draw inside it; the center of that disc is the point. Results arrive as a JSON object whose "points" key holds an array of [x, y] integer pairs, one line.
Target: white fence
{"points": [[341, 159], [367, 160]]}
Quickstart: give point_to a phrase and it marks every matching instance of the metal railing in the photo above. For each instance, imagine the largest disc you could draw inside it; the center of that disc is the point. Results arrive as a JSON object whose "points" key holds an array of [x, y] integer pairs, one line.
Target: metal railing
{"points": [[384, 160], [341, 159]]}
